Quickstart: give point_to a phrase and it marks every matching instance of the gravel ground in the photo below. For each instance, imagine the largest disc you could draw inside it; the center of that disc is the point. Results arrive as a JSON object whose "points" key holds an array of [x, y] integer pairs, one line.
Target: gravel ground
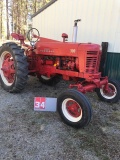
{"points": [[29, 135]]}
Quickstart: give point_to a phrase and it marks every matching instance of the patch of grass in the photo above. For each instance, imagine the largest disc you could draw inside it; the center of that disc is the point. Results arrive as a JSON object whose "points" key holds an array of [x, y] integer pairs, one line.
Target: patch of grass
{"points": [[94, 140], [96, 143], [105, 158], [115, 116]]}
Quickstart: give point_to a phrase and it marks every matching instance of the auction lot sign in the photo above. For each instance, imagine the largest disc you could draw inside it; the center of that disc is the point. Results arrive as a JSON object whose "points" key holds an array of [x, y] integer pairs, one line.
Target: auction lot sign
{"points": [[45, 104]]}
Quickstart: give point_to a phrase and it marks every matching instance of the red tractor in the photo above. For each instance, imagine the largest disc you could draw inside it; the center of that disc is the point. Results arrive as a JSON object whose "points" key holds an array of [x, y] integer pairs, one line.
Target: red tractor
{"points": [[47, 59]]}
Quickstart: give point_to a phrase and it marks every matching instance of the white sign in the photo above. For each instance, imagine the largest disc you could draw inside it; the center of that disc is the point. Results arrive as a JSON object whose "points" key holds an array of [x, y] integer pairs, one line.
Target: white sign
{"points": [[45, 104]]}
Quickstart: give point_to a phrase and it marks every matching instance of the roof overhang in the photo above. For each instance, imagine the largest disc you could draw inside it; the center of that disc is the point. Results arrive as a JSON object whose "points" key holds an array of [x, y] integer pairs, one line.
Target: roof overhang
{"points": [[43, 8]]}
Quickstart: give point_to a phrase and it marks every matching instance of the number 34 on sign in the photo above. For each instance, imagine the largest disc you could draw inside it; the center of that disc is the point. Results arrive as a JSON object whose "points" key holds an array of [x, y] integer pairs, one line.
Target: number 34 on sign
{"points": [[39, 103], [45, 104]]}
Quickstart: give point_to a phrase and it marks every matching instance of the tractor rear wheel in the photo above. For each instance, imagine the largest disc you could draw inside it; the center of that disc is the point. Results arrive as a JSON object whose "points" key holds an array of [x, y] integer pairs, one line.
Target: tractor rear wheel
{"points": [[13, 67], [114, 94], [74, 108]]}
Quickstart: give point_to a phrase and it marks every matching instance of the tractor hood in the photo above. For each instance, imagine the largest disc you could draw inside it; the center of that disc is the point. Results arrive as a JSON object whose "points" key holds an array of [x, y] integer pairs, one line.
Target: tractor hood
{"points": [[58, 48]]}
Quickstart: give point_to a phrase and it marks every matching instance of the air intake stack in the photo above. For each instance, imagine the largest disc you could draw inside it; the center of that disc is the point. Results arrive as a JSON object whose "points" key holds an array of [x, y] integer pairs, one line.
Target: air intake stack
{"points": [[75, 28]]}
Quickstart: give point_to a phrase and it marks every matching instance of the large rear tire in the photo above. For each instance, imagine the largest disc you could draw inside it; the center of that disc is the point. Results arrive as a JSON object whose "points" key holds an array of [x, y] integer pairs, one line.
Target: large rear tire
{"points": [[13, 67], [74, 108], [113, 96]]}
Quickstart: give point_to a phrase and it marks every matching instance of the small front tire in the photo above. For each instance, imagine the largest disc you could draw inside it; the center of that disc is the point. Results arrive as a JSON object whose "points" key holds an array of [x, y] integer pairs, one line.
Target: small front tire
{"points": [[113, 96], [49, 80], [74, 108]]}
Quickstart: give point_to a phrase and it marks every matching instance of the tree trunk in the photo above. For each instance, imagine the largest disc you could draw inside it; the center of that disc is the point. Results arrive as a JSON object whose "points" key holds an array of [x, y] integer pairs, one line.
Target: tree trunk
{"points": [[1, 14], [8, 32]]}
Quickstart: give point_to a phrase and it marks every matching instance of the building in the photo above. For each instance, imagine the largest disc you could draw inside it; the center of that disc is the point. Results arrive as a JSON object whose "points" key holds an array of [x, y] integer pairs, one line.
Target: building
{"points": [[100, 22]]}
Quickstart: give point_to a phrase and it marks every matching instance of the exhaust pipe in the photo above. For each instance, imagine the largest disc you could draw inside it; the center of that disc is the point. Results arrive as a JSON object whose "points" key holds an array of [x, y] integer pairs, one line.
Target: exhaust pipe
{"points": [[75, 28]]}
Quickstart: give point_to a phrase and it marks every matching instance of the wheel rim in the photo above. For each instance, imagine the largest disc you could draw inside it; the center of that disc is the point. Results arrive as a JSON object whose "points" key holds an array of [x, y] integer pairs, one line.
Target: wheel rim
{"points": [[111, 94], [45, 78], [71, 110], [7, 68]]}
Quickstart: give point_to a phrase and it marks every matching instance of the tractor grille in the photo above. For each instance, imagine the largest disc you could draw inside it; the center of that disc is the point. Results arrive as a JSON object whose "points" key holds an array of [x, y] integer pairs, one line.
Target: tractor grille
{"points": [[91, 61]]}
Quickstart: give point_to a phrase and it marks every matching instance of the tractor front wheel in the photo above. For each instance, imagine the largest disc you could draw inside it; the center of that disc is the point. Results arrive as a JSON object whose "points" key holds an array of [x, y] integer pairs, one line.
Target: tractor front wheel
{"points": [[49, 80], [114, 92], [13, 67], [74, 108]]}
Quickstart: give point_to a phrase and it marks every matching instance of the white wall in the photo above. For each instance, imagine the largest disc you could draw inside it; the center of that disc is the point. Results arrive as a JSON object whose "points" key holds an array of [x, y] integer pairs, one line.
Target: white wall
{"points": [[100, 21]]}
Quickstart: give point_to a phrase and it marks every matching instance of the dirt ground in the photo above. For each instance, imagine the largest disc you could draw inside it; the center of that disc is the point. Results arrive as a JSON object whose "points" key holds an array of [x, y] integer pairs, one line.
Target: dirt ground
{"points": [[26, 134]]}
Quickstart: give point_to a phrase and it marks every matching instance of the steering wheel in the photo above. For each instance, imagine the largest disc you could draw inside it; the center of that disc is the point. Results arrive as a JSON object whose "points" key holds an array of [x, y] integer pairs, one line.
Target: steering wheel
{"points": [[33, 35]]}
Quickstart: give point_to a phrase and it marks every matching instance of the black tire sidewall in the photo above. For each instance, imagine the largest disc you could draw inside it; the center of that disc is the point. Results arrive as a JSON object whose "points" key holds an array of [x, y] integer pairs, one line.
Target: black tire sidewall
{"points": [[21, 67], [84, 104]]}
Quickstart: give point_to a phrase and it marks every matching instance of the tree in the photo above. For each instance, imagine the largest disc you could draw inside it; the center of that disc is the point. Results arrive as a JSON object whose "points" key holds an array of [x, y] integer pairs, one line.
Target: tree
{"points": [[18, 13], [1, 13], [7, 17]]}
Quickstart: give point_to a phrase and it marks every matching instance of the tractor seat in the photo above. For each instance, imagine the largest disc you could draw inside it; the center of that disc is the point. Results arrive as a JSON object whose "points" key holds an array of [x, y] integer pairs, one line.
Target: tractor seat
{"points": [[17, 36]]}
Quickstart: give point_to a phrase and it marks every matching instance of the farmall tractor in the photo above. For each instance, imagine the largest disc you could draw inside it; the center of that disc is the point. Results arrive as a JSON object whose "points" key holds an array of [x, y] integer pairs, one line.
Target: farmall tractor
{"points": [[48, 59]]}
